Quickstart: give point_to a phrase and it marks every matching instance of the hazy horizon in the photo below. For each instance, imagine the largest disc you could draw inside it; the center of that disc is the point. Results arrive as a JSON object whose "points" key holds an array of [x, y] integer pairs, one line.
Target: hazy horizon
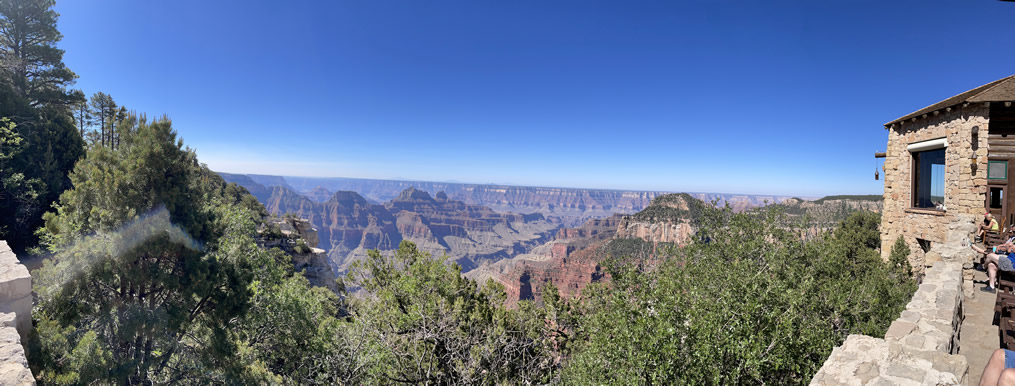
{"points": [[806, 197]]}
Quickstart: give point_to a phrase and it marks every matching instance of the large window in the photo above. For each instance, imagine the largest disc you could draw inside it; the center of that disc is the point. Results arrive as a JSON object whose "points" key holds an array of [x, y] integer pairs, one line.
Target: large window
{"points": [[929, 180]]}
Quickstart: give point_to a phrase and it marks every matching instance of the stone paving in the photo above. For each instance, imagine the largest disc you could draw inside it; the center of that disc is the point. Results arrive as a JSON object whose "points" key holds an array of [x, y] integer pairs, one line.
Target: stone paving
{"points": [[979, 336]]}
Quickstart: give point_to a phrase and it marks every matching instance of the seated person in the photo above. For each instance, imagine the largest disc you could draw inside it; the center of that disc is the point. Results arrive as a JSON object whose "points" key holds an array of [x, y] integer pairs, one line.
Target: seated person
{"points": [[1002, 258], [989, 224], [1000, 369]]}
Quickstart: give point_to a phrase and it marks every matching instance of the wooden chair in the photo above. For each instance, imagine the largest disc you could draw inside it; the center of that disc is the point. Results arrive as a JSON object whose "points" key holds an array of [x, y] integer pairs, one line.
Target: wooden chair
{"points": [[1004, 309]]}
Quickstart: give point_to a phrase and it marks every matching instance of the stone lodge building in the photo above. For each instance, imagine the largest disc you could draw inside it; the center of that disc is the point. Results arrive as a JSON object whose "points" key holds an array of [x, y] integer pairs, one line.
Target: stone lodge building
{"points": [[945, 165]]}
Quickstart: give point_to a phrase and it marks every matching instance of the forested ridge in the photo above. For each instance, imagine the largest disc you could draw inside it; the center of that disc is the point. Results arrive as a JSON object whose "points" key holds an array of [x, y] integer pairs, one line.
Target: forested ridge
{"points": [[153, 276]]}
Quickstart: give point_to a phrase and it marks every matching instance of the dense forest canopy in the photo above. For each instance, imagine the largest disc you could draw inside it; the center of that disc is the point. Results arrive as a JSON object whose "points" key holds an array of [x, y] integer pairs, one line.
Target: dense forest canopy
{"points": [[154, 274]]}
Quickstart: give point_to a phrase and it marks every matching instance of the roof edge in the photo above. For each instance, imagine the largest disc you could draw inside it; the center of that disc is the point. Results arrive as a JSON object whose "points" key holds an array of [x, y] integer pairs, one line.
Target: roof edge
{"points": [[968, 96]]}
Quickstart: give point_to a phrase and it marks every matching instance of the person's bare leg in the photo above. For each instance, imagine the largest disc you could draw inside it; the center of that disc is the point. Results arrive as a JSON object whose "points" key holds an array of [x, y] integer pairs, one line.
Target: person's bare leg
{"points": [[992, 372], [992, 275], [991, 263], [1007, 377], [978, 249]]}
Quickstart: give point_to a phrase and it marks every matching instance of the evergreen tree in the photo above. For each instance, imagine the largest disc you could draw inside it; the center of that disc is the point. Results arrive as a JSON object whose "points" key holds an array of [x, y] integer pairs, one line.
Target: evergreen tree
{"points": [[32, 62], [426, 324], [19, 195], [82, 116], [154, 270], [33, 95], [105, 110]]}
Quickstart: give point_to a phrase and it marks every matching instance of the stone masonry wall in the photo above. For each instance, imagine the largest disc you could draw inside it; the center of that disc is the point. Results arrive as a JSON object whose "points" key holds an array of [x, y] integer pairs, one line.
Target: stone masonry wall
{"points": [[964, 190], [919, 347], [15, 318]]}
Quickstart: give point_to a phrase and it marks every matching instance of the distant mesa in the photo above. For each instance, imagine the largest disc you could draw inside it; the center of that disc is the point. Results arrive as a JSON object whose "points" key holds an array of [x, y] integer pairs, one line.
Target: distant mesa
{"points": [[413, 194]]}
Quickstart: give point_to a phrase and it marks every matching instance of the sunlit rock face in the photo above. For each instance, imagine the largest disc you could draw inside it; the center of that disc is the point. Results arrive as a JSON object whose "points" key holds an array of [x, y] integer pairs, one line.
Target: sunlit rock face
{"points": [[312, 262]]}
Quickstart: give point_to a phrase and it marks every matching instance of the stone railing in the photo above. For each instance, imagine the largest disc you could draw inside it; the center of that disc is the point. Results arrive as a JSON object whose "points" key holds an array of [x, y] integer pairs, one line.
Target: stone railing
{"points": [[919, 347], [15, 318]]}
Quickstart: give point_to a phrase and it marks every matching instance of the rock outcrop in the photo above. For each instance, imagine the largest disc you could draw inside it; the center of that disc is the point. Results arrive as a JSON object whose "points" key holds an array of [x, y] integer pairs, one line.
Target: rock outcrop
{"points": [[668, 220], [297, 238]]}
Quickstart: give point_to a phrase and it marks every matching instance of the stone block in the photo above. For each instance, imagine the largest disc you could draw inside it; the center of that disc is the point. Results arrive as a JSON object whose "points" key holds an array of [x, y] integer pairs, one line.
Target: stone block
{"points": [[899, 329], [14, 374], [905, 370], [910, 316], [867, 371]]}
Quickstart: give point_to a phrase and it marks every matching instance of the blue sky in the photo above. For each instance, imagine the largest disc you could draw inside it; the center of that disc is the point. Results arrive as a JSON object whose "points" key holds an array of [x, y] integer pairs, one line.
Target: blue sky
{"points": [[718, 96]]}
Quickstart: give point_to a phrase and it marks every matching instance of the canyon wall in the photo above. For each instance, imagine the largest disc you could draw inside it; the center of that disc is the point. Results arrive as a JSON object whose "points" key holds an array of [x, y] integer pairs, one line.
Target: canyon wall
{"points": [[573, 206], [572, 259], [348, 226]]}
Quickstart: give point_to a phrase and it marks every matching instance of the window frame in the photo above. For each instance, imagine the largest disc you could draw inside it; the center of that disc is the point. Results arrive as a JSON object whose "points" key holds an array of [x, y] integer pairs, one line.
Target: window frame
{"points": [[913, 149]]}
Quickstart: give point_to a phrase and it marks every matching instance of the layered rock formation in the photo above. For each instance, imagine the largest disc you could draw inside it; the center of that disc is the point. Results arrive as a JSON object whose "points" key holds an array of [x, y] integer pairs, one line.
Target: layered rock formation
{"points": [[573, 259], [570, 261], [824, 214], [348, 226], [573, 206], [667, 220]]}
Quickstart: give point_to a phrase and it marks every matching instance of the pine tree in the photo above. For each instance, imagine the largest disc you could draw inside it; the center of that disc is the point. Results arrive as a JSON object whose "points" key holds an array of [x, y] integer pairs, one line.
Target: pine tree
{"points": [[104, 109], [32, 62], [83, 116]]}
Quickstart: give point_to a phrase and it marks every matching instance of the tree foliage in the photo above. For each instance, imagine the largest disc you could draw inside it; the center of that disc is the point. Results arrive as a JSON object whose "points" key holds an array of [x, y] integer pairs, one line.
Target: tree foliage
{"points": [[748, 302], [32, 63], [34, 96], [426, 324], [155, 272]]}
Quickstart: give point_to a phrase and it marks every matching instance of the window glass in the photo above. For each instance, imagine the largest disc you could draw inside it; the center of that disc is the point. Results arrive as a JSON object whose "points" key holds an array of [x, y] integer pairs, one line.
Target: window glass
{"points": [[929, 190], [997, 170], [996, 197]]}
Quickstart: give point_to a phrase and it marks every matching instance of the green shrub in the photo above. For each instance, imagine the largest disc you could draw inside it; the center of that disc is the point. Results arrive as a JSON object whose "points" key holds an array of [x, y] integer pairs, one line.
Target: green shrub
{"points": [[747, 303]]}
